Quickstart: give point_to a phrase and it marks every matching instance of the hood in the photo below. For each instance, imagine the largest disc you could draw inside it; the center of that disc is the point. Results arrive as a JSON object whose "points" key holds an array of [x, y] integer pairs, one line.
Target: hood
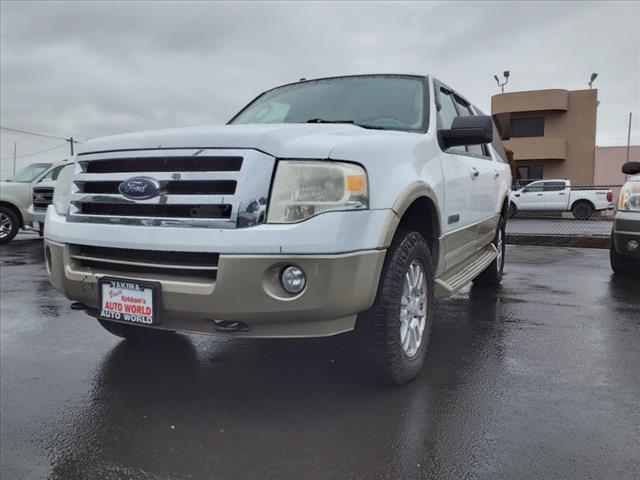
{"points": [[11, 187], [15, 192], [279, 140]]}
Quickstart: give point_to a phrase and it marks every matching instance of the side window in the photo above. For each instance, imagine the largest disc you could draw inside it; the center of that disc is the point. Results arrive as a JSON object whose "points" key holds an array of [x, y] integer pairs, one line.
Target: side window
{"points": [[535, 187], [53, 174], [446, 114], [496, 143], [554, 186]]}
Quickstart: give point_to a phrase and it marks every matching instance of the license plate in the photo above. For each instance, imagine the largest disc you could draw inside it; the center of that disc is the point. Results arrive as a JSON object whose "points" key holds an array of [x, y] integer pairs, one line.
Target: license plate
{"points": [[128, 301]]}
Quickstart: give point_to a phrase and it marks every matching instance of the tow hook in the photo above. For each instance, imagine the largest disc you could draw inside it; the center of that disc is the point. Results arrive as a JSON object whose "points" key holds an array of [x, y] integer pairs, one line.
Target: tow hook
{"points": [[227, 326]]}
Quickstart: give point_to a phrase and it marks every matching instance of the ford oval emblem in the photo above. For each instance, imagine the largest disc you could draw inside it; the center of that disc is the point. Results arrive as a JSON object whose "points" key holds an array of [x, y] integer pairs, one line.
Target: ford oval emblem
{"points": [[139, 188]]}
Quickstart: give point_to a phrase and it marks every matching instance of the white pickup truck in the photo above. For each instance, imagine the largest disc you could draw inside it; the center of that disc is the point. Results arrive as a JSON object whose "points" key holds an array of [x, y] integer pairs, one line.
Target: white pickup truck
{"points": [[324, 207], [16, 194], [558, 196]]}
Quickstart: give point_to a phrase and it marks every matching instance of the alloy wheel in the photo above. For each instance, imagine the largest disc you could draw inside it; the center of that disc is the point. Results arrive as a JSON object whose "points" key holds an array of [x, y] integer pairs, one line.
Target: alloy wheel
{"points": [[5, 225], [413, 309]]}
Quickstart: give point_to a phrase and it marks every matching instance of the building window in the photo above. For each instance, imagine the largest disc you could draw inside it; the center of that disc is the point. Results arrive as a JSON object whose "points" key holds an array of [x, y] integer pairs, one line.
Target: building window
{"points": [[527, 127], [528, 173]]}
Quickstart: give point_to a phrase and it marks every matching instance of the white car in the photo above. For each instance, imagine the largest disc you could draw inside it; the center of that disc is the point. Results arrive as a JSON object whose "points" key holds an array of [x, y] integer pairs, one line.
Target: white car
{"points": [[558, 196], [323, 207], [16, 197]]}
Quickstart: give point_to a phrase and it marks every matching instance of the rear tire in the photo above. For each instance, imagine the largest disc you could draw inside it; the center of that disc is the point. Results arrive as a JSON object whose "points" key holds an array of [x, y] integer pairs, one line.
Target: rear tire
{"points": [[582, 210], [9, 225], [622, 265], [391, 338], [492, 275], [134, 333]]}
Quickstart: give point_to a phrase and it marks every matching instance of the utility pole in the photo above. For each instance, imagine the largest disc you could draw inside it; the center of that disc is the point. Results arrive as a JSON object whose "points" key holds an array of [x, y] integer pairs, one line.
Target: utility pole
{"points": [[629, 137], [70, 140], [15, 147]]}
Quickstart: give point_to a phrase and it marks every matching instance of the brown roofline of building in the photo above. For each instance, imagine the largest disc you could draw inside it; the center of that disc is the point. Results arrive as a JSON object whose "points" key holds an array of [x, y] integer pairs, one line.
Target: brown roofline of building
{"points": [[544, 90]]}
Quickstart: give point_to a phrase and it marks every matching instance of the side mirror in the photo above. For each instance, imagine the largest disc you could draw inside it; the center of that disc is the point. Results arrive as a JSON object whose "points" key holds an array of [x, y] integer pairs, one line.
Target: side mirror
{"points": [[469, 130], [631, 168]]}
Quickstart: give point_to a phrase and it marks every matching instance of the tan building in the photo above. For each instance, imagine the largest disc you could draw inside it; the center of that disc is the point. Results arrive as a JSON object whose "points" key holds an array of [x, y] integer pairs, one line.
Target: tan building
{"points": [[608, 167], [609, 161], [552, 133]]}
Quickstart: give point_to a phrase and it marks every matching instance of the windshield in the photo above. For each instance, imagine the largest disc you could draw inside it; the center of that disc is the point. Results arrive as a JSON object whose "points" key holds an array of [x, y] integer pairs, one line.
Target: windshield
{"points": [[30, 173], [381, 102]]}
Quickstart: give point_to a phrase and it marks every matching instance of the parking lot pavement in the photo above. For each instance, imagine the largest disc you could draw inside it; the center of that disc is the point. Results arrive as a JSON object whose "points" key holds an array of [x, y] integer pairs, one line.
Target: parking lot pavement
{"points": [[600, 227], [537, 379]]}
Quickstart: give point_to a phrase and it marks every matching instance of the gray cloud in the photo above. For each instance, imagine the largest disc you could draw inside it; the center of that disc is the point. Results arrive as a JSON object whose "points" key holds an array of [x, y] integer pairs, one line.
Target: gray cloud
{"points": [[91, 69]]}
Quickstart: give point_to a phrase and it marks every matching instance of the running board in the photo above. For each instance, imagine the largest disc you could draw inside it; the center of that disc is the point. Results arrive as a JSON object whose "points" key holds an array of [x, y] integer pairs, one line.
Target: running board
{"points": [[453, 280]]}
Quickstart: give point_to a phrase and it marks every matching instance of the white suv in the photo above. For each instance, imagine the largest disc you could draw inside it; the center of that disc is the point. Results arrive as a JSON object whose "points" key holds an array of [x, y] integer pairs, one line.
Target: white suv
{"points": [[325, 206]]}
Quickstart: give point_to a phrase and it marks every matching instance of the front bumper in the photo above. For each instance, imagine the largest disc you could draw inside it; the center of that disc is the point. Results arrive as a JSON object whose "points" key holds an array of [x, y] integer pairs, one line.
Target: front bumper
{"points": [[37, 215], [626, 227], [246, 289]]}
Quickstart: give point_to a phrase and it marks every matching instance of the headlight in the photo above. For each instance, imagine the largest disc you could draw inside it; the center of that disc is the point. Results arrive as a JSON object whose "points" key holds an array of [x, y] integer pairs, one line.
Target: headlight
{"points": [[630, 197], [303, 189], [62, 190]]}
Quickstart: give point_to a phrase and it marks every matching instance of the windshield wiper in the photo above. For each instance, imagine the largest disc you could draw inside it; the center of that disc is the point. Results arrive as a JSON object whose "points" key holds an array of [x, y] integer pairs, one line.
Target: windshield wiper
{"points": [[351, 122], [322, 120]]}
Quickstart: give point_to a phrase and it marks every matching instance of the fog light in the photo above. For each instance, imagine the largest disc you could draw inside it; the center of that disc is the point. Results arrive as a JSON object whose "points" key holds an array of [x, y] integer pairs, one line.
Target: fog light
{"points": [[632, 245], [293, 279]]}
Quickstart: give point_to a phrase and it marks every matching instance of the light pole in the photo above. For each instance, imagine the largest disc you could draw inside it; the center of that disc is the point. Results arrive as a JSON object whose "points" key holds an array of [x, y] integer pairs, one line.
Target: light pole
{"points": [[593, 77], [506, 80]]}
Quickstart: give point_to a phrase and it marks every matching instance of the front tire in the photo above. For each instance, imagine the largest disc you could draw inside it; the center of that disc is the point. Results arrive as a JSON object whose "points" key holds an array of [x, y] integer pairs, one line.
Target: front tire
{"points": [[134, 333], [391, 338], [9, 225]]}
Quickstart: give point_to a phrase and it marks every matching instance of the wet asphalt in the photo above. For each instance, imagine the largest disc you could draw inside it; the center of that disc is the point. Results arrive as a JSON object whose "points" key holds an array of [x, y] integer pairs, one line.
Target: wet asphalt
{"points": [[537, 379]]}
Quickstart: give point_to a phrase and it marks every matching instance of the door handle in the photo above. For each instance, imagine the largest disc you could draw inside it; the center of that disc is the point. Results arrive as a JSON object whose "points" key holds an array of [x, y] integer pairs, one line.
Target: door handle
{"points": [[538, 194], [474, 173], [497, 173], [561, 193]]}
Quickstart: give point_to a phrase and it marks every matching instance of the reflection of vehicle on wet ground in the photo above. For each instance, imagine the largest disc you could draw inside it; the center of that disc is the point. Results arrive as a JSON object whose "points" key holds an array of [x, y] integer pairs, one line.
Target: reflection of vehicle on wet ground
{"points": [[625, 237], [16, 197], [254, 214], [559, 196]]}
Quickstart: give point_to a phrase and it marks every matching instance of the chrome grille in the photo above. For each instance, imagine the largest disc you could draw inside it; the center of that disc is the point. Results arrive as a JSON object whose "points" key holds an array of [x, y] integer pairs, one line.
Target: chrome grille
{"points": [[216, 188], [42, 197]]}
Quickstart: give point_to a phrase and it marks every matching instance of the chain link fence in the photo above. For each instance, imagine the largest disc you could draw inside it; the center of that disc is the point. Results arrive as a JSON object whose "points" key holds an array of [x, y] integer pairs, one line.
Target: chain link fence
{"points": [[552, 209]]}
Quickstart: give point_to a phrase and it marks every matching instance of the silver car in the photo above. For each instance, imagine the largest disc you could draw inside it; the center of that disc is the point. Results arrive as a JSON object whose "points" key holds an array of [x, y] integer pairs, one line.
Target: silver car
{"points": [[625, 237]]}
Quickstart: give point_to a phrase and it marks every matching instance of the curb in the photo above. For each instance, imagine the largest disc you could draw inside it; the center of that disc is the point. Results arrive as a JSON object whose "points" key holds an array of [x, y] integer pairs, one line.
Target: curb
{"points": [[559, 241]]}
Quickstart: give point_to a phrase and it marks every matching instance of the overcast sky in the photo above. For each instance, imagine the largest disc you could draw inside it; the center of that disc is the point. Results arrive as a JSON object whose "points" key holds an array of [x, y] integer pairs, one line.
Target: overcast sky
{"points": [[92, 69]]}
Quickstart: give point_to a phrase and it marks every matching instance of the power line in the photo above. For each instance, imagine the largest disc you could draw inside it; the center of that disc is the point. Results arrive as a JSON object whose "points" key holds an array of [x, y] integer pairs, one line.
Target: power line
{"points": [[35, 153], [25, 132]]}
